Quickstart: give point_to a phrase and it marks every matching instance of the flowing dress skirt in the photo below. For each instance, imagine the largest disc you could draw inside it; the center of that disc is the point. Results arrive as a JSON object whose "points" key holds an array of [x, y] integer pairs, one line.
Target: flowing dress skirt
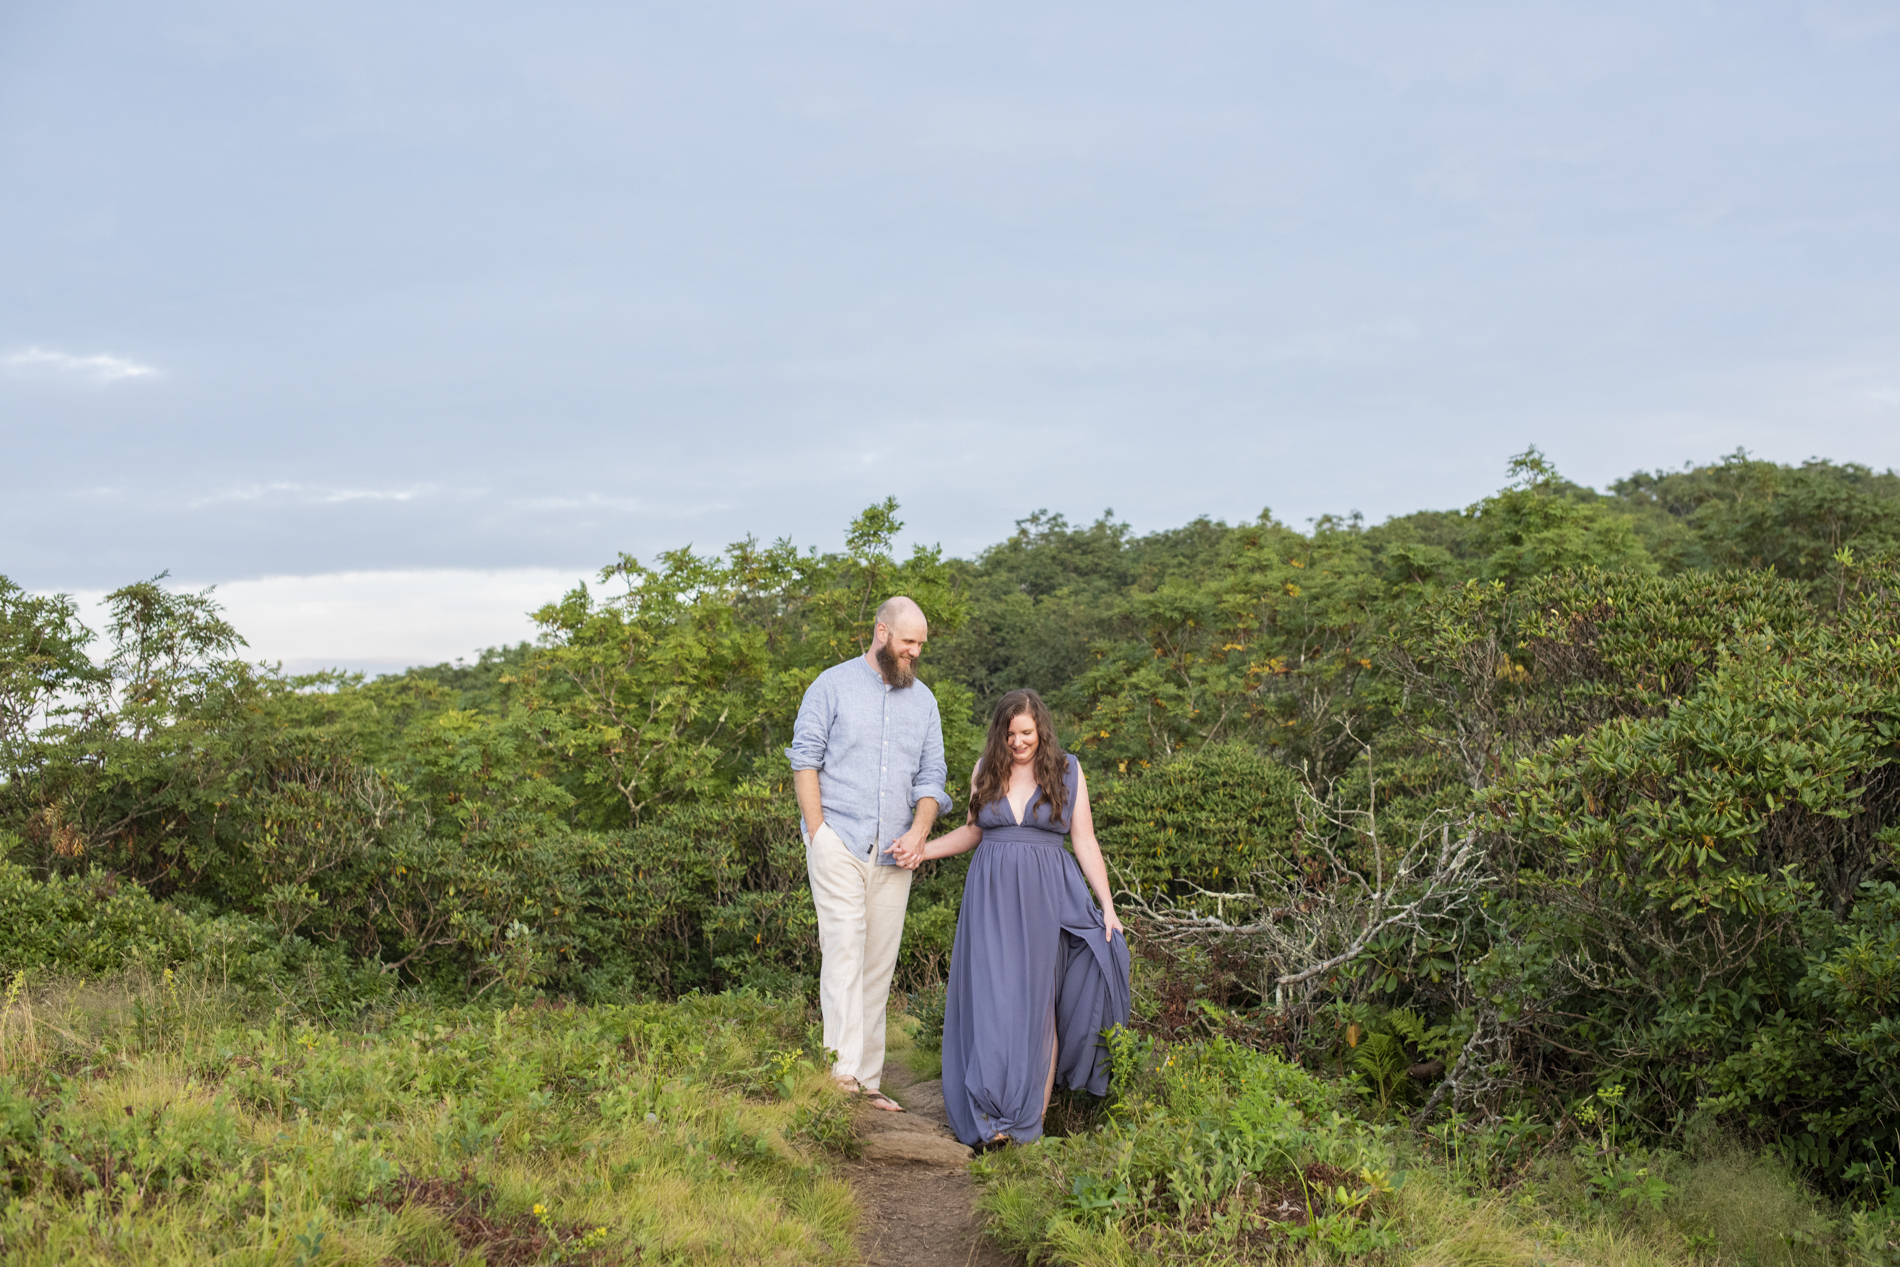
{"points": [[1030, 966]]}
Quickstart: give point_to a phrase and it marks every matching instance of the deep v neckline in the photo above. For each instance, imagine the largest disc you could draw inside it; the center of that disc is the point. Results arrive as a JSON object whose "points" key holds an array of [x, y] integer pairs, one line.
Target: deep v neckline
{"points": [[1017, 819]]}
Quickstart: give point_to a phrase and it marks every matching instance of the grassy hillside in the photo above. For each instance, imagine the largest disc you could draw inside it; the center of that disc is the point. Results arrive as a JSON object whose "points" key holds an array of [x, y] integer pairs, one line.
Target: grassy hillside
{"points": [[157, 1119]]}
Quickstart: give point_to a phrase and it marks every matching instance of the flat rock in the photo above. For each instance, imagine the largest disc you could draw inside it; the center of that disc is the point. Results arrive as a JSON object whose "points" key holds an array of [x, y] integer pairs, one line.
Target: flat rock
{"points": [[924, 1099], [926, 1148], [915, 1135], [877, 1122]]}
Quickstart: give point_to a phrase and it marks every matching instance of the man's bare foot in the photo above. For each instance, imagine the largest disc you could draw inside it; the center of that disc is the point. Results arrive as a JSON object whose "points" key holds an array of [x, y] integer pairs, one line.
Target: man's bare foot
{"points": [[878, 1100]]}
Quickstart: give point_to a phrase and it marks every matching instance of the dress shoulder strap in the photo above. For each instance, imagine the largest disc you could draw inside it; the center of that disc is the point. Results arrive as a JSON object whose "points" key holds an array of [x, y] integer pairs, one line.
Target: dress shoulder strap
{"points": [[1071, 783]]}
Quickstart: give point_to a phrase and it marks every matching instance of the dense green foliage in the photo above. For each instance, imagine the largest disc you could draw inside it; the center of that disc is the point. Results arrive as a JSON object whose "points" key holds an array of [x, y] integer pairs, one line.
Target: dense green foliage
{"points": [[1492, 810], [1220, 815], [1703, 814]]}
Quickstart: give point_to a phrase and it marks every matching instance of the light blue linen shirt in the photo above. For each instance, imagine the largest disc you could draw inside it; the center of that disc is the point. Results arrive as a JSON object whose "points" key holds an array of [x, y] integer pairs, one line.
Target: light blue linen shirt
{"points": [[878, 750]]}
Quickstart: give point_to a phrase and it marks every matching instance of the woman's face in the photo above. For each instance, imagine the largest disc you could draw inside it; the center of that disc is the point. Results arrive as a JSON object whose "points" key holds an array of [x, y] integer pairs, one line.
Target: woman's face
{"points": [[1022, 738]]}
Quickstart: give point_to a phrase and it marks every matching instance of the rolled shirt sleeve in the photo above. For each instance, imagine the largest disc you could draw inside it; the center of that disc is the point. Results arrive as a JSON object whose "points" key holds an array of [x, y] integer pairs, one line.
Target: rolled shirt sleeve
{"points": [[811, 733], [932, 773]]}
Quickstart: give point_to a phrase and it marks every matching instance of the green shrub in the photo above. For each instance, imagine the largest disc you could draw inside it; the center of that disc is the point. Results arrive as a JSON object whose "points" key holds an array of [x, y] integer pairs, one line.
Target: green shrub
{"points": [[1221, 816], [1702, 904], [98, 924]]}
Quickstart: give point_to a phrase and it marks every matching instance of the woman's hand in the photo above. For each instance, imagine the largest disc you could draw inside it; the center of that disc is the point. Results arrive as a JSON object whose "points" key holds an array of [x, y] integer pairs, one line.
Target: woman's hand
{"points": [[1114, 923], [909, 851]]}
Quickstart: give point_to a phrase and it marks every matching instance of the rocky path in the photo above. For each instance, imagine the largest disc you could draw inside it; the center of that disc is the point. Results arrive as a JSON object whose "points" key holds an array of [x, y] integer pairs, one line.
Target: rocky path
{"points": [[917, 1197]]}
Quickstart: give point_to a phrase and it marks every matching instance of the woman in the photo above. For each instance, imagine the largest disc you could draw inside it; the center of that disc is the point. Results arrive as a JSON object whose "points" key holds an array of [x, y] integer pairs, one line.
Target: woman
{"points": [[1037, 972]]}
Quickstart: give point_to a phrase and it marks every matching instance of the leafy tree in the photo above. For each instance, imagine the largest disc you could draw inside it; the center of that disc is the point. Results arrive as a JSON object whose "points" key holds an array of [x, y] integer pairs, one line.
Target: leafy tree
{"points": [[1268, 649], [1531, 528], [43, 663], [1744, 512], [1039, 601], [646, 691], [138, 771], [1712, 797]]}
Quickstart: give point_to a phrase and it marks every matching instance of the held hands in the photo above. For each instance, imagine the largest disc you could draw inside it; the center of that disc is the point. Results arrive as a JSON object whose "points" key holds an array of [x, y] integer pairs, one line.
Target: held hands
{"points": [[908, 850]]}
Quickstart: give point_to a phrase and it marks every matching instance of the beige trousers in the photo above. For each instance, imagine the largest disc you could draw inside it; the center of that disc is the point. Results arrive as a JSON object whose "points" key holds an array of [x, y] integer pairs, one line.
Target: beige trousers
{"points": [[860, 923]]}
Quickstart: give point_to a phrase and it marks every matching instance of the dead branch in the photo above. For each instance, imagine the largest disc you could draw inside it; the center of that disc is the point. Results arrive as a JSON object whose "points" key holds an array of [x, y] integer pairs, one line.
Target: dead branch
{"points": [[1326, 922]]}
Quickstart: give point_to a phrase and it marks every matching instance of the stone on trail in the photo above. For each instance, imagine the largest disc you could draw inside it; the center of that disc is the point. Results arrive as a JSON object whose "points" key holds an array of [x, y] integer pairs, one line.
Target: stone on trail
{"points": [[916, 1135], [931, 1149], [925, 1100]]}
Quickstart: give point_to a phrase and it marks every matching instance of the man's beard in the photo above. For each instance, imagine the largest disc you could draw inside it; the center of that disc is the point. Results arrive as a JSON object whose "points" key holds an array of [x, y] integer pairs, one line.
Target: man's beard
{"points": [[896, 672]]}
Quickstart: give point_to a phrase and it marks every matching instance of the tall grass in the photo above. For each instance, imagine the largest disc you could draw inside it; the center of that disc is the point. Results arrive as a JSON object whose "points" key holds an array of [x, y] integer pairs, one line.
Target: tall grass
{"points": [[152, 1119], [1212, 1154]]}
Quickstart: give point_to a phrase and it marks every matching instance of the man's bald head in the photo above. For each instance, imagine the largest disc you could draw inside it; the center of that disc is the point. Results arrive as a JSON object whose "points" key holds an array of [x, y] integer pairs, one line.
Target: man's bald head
{"points": [[899, 608], [898, 639]]}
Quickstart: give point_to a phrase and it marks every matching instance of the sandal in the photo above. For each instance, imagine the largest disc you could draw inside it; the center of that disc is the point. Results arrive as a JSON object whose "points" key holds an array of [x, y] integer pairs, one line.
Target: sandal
{"points": [[878, 1100]]}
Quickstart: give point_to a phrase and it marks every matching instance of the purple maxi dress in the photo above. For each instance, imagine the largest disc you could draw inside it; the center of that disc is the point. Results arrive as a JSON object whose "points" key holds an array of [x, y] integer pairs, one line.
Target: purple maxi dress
{"points": [[1030, 966]]}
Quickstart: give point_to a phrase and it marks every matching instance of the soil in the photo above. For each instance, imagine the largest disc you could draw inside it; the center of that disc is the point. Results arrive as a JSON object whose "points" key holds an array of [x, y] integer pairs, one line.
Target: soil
{"points": [[501, 1240], [917, 1198]]}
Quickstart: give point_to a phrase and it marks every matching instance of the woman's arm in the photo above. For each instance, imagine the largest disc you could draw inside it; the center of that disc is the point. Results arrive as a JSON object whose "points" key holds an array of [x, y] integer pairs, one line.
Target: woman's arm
{"points": [[952, 843], [1088, 852]]}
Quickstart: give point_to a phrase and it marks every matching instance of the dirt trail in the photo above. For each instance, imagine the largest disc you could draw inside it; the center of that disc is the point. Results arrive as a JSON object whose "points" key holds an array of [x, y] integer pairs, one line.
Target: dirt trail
{"points": [[917, 1198]]}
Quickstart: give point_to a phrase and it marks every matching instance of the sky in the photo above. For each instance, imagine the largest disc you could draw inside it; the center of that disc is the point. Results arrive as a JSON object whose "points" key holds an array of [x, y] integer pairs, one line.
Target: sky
{"points": [[391, 320]]}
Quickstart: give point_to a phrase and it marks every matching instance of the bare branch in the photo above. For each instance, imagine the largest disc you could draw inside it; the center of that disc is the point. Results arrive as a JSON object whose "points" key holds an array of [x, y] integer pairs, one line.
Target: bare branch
{"points": [[1327, 925]]}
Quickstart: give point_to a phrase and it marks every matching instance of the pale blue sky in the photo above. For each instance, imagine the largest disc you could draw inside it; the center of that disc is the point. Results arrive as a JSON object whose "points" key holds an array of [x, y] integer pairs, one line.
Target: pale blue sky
{"points": [[468, 286]]}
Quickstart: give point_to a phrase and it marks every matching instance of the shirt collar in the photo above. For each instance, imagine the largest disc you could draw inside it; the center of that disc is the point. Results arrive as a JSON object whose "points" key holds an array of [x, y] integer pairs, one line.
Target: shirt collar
{"points": [[870, 668]]}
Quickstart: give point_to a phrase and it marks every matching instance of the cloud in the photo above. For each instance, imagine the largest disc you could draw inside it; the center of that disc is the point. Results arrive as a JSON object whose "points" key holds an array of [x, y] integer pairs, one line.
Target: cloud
{"points": [[307, 495], [100, 369], [380, 621], [584, 501]]}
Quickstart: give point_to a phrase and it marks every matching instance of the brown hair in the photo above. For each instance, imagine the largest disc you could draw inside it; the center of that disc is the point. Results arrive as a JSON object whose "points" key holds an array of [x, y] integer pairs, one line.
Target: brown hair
{"points": [[992, 773]]}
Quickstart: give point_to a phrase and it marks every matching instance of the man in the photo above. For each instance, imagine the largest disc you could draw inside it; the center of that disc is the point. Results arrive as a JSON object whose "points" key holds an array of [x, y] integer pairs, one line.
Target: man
{"points": [[867, 765]]}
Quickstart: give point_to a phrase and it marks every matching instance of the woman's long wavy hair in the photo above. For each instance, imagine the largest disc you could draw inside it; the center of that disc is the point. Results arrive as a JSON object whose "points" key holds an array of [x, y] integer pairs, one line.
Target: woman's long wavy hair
{"points": [[992, 774]]}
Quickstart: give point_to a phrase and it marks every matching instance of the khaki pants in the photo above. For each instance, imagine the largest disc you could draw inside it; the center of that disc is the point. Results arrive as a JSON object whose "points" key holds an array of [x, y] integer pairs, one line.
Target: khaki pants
{"points": [[860, 922]]}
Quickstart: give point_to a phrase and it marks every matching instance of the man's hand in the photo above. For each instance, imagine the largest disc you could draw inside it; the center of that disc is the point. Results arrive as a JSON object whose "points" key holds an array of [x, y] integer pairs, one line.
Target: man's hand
{"points": [[805, 785], [908, 848]]}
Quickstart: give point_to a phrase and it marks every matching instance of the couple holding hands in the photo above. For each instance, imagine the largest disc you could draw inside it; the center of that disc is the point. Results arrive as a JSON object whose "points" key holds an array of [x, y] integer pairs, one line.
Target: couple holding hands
{"points": [[1037, 970]]}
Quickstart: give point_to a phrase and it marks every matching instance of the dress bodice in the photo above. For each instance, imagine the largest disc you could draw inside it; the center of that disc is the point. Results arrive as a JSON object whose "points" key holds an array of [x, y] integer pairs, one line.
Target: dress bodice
{"points": [[998, 816]]}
